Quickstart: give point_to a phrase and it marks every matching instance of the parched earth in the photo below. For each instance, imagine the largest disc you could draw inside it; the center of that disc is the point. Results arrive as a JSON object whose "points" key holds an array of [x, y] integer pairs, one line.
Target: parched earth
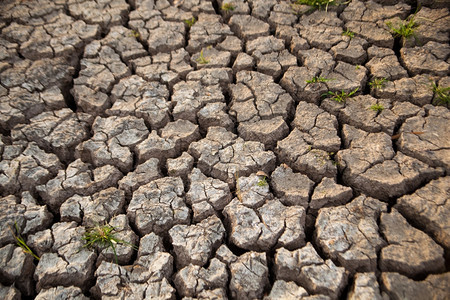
{"points": [[199, 134]]}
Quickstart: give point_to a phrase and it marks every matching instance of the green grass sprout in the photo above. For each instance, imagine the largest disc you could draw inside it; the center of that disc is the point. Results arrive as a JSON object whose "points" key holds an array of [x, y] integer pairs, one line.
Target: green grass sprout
{"points": [[21, 241], [378, 83], [317, 79], [103, 236], [377, 107], [190, 22], [340, 97], [348, 33], [202, 60]]}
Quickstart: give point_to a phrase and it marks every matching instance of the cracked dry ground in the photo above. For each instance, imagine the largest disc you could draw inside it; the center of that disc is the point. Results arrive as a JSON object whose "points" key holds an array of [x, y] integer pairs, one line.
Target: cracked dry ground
{"points": [[119, 112]]}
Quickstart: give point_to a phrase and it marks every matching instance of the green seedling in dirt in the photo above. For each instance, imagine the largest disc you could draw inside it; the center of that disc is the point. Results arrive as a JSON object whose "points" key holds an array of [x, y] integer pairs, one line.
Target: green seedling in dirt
{"points": [[21, 241], [317, 79], [377, 107], [406, 29], [317, 4], [202, 60], [340, 97], [442, 94], [190, 22], [227, 7], [357, 67], [348, 33], [378, 83], [262, 181], [103, 236], [134, 33]]}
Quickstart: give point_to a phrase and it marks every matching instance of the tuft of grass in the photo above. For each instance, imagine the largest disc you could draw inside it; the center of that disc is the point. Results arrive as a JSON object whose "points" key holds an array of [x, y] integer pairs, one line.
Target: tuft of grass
{"points": [[202, 60], [262, 181], [377, 107], [340, 97], [103, 236], [378, 83], [135, 34], [442, 94], [317, 4], [21, 241], [357, 67], [317, 79], [348, 33], [406, 29], [190, 22], [228, 7]]}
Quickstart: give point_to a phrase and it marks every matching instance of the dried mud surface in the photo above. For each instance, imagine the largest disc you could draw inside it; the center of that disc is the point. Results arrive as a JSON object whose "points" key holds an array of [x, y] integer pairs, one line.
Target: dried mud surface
{"points": [[208, 138]]}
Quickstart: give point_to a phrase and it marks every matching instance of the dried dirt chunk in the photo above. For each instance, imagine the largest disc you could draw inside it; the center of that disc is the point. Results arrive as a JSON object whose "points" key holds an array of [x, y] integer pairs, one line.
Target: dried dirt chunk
{"points": [[92, 210], [143, 174], [158, 206], [400, 287], [273, 224], [365, 286], [68, 263], [249, 276], [23, 168], [349, 234], [329, 193], [410, 251], [291, 188], [306, 268], [429, 209], [429, 59], [432, 144], [194, 244], [57, 131], [222, 155], [286, 290], [194, 280], [206, 195], [114, 138], [17, 267], [136, 97], [26, 213], [100, 12], [248, 27], [61, 292], [78, 178]]}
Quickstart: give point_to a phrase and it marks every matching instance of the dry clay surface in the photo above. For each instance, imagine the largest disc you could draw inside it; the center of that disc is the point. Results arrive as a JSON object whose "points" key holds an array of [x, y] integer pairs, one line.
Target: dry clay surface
{"points": [[199, 134]]}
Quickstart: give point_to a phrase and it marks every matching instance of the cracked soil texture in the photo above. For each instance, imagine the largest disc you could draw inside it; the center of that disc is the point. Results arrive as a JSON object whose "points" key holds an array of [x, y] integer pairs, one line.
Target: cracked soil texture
{"points": [[210, 136]]}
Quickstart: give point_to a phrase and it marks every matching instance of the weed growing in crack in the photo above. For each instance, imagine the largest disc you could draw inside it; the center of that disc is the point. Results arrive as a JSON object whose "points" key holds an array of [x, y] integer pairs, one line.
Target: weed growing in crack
{"points": [[341, 96], [406, 29], [135, 34], [442, 94], [262, 181], [318, 4], [227, 7], [190, 22], [378, 83], [103, 236], [348, 33], [377, 107], [21, 241], [202, 60], [317, 79]]}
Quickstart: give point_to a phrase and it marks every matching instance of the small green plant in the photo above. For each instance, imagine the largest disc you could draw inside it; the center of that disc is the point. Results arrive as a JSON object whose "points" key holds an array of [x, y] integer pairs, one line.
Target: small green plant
{"points": [[442, 94], [406, 29], [317, 79], [201, 59], [135, 34], [227, 7], [190, 22], [317, 4], [21, 241], [378, 83], [340, 97], [103, 236], [348, 33], [262, 181], [377, 107], [357, 67]]}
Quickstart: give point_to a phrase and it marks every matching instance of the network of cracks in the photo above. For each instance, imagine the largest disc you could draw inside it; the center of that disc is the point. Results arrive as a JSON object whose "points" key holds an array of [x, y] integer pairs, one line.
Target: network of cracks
{"points": [[245, 149]]}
